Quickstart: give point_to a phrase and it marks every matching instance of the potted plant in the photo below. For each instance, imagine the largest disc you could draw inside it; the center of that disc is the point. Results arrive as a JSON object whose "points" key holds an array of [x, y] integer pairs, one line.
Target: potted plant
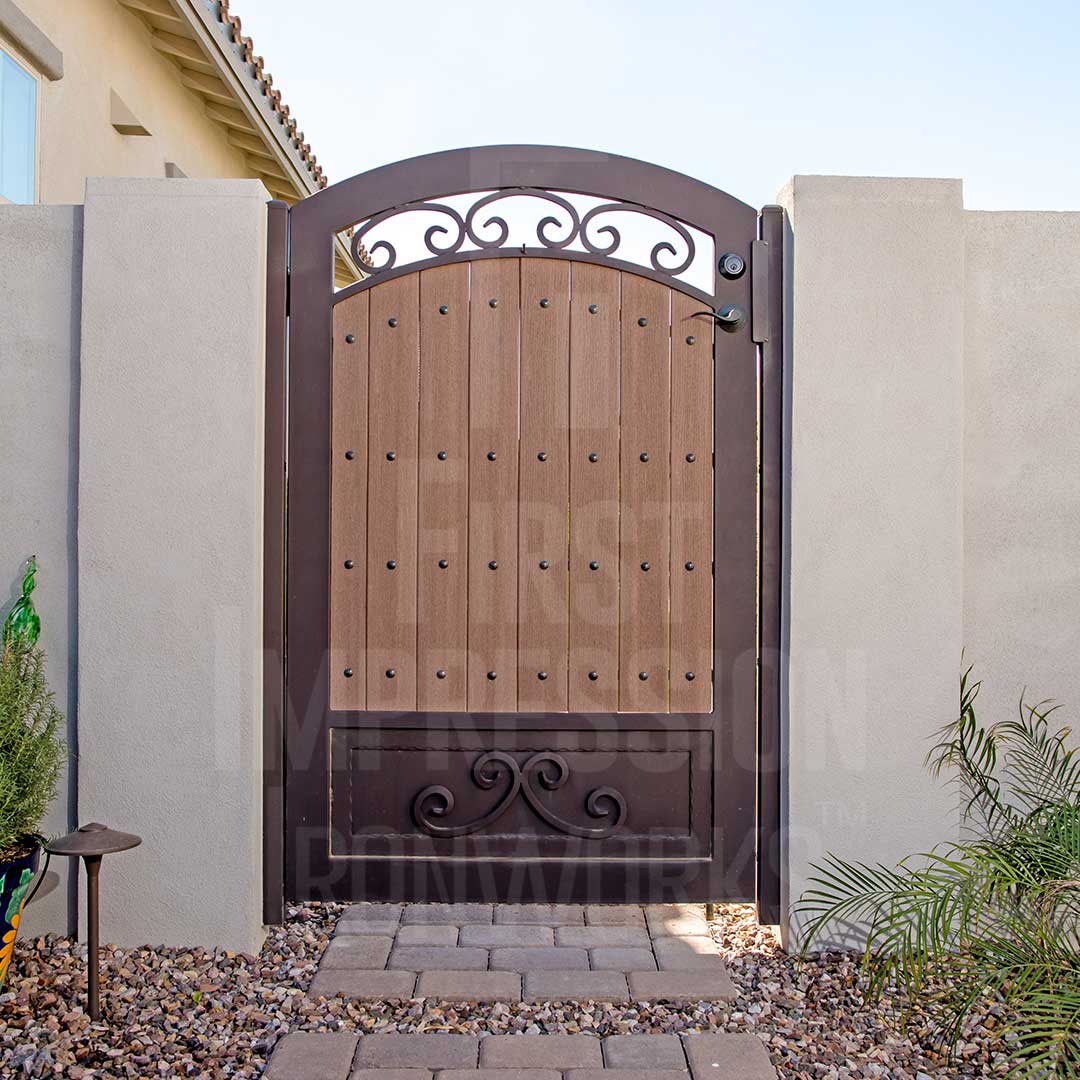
{"points": [[31, 756]]}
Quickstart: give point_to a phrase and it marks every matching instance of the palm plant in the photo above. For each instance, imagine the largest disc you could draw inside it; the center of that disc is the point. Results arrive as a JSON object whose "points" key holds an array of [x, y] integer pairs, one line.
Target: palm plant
{"points": [[993, 916]]}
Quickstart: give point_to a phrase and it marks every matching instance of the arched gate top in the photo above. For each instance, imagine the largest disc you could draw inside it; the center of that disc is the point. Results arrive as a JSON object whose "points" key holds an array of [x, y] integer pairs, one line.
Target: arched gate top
{"points": [[678, 205]]}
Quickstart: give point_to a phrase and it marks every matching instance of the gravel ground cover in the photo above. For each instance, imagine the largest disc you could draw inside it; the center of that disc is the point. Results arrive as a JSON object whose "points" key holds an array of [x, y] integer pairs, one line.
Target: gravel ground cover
{"points": [[198, 1014]]}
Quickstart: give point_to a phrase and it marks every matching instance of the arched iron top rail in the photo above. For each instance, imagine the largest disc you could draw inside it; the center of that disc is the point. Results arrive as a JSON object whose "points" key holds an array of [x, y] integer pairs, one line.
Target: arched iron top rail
{"points": [[625, 183]]}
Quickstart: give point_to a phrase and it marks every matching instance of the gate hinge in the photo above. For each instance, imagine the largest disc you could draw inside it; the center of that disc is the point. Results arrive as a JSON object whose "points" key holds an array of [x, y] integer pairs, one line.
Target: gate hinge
{"points": [[288, 292], [759, 291]]}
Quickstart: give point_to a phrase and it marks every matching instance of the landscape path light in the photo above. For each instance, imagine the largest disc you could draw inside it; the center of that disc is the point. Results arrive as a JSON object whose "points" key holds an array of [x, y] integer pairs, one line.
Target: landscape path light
{"points": [[90, 842]]}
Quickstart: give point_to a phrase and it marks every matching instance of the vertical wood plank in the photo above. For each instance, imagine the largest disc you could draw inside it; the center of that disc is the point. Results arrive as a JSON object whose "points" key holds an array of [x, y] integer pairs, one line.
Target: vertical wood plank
{"points": [[594, 489], [348, 502], [691, 507], [443, 494], [645, 490], [544, 485], [493, 485], [393, 400]]}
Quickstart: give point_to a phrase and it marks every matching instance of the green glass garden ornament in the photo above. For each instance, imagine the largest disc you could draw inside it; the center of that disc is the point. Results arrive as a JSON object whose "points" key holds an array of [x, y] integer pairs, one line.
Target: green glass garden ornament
{"points": [[22, 622]]}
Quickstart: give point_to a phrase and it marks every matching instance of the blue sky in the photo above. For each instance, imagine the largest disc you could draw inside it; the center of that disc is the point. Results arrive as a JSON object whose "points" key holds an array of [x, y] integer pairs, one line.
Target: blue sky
{"points": [[741, 95]]}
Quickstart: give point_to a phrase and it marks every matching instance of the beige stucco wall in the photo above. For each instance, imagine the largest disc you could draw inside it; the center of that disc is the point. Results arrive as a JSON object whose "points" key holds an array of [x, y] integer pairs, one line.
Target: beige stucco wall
{"points": [[1022, 459], [40, 284], [170, 553], [874, 560], [105, 48]]}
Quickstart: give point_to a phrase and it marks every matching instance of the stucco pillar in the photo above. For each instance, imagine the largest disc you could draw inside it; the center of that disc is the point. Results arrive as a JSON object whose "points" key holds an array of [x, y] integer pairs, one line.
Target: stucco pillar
{"points": [[874, 560], [170, 554]]}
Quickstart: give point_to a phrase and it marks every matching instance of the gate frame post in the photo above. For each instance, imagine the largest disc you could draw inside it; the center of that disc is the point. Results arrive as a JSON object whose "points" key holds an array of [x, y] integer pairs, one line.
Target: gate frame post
{"points": [[274, 502], [769, 326]]}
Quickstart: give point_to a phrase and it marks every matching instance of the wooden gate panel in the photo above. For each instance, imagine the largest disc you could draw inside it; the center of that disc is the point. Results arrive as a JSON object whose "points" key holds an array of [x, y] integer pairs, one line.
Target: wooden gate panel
{"points": [[348, 500], [493, 485], [443, 495], [393, 383], [594, 489], [544, 479], [691, 507], [644, 494]]}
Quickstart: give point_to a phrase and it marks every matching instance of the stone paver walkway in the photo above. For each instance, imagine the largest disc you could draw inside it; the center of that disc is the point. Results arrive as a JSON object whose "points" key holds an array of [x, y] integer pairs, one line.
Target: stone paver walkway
{"points": [[345, 1056], [511, 952]]}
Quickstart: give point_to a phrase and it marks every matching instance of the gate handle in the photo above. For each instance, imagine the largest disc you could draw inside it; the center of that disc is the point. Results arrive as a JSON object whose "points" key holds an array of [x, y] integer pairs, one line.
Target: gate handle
{"points": [[729, 317]]}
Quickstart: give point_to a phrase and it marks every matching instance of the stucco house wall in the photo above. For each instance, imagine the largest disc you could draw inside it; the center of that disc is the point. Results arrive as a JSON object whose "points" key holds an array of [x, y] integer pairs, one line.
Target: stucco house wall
{"points": [[107, 47]]}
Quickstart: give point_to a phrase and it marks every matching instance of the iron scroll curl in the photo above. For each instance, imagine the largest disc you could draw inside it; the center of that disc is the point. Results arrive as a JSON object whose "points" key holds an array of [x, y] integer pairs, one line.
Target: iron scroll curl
{"points": [[547, 769]]}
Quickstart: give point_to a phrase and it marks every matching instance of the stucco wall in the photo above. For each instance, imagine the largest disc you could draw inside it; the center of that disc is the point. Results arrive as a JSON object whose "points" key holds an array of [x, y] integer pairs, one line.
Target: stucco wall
{"points": [[40, 281], [170, 553], [106, 47], [1022, 459], [874, 589]]}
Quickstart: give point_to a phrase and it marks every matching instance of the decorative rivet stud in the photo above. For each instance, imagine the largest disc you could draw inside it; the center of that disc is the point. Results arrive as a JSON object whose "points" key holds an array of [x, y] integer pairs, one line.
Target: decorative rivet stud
{"points": [[593, 676], [348, 564], [643, 321], [491, 676], [690, 339], [545, 302], [594, 565], [391, 673], [645, 566], [689, 566], [594, 457], [542, 675], [350, 338], [391, 565], [441, 673], [544, 564], [493, 565], [643, 676], [443, 309], [390, 455], [491, 455], [593, 309], [443, 564], [691, 457], [350, 454], [493, 303], [441, 455], [542, 456], [689, 676], [348, 673], [391, 323], [643, 456]]}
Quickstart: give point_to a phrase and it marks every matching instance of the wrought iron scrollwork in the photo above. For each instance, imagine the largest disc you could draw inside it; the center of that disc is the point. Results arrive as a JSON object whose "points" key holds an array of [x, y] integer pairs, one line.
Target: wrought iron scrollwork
{"points": [[449, 235], [546, 770]]}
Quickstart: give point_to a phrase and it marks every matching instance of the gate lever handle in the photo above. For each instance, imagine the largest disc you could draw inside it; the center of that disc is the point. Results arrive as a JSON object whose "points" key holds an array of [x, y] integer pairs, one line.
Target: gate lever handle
{"points": [[729, 317]]}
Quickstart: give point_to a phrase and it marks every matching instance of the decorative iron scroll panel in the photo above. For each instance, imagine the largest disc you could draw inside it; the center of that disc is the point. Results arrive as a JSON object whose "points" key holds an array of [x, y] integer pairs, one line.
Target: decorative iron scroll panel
{"points": [[521, 507]]}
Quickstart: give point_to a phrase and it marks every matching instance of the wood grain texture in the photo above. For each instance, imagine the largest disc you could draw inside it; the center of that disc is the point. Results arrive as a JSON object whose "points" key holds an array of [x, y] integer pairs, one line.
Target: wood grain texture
{"points": [[348, 501], [645, 489], [544, 485], [594, 488], [691, 507], [493, 485], [443, 494], [393, 387]]}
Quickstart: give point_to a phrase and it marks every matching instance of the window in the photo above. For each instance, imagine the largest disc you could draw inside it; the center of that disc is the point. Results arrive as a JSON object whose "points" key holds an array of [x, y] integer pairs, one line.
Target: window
{"points": [[18, 130]]}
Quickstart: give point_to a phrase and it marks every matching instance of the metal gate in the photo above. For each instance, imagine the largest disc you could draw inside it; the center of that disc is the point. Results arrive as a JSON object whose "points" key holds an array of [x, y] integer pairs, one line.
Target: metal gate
{"points": [[531, 571]]}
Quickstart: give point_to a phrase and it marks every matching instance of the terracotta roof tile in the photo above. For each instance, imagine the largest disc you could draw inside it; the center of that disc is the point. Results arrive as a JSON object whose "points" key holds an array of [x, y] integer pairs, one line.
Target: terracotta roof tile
{"points": [[231, 26]]}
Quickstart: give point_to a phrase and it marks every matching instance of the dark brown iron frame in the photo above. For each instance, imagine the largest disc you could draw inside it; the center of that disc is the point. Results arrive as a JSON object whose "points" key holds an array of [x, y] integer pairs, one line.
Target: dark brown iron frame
{"points": [[300, 422]]}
